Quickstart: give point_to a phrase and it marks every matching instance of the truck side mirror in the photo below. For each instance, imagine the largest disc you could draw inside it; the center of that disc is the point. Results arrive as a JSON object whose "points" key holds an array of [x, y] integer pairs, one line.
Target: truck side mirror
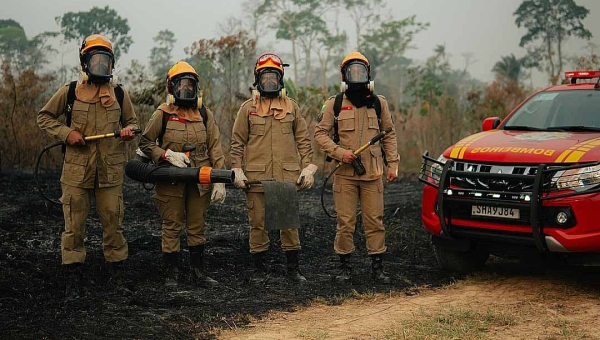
{"points": [[490, 123]]}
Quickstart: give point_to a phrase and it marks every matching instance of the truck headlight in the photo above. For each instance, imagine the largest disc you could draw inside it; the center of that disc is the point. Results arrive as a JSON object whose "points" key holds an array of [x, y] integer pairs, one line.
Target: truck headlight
{"points": [[436, 168], [577, 179]]}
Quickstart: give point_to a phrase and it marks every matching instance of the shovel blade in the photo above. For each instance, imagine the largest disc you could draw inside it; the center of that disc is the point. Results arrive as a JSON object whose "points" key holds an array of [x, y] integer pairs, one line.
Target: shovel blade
{"points": [[281, 205]]}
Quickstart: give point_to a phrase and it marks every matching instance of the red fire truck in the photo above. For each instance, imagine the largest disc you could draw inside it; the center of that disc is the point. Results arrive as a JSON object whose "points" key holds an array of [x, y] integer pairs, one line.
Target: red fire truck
{"points": [[530, 182]]}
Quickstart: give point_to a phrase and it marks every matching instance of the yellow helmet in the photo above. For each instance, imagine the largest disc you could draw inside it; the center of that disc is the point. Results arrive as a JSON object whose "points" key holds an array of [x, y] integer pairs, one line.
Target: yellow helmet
{"points": [[97, 58], [182, 85], [95, 40], [355, 72], [268, 75], [181, 67], [354, 56]]}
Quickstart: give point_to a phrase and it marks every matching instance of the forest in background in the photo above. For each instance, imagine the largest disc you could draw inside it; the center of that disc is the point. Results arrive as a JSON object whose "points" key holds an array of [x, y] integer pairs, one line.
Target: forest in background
{"points": [[433, 104]]}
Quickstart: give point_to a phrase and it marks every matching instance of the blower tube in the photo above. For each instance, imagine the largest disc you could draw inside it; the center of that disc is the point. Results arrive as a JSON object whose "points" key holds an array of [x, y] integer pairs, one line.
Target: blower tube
{"points": [[140, 169]]}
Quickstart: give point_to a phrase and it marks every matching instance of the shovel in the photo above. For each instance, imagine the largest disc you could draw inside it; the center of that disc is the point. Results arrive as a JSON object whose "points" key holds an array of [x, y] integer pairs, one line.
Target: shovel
{"points": [[282, 210]]}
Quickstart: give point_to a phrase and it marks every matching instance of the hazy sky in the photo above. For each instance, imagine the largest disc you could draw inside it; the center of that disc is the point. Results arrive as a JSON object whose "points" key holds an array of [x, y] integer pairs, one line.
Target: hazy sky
{"points": [[483, 28]]}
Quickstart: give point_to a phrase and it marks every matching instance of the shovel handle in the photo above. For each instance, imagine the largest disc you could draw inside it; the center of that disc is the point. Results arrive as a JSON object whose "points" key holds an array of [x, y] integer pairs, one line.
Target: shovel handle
{"points": [[107, 135], [257, 182]]}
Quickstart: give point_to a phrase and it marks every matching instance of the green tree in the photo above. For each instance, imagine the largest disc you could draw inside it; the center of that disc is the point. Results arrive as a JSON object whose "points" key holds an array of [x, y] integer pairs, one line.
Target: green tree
{"points": [[329, 46], [160, 56], [225, 65], [511, 68], [288, 16], [105, 21], [390, 39], [307, 28], [549, 23], [363, 13], [21, 52]]}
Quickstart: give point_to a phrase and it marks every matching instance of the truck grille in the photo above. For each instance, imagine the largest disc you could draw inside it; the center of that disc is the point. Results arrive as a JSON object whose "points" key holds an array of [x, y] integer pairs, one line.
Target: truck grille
{"points": [[494, 184]]}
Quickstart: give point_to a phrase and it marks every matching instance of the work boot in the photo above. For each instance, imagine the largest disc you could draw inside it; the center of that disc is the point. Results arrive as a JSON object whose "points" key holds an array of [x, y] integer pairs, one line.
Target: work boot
{"points": [[293, 267], [197, 262], [377, 270], [171, 268], [260, 274], [73, 281], [117, 278], [345, 273]]}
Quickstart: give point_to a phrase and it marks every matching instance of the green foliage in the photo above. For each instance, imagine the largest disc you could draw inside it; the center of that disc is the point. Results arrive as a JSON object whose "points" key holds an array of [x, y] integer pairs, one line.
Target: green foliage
{"points": [[549, 23], [20, 51], [389, 39], [225, 66], [22, 94], [511, 68], [160, 56], [105, 21]]}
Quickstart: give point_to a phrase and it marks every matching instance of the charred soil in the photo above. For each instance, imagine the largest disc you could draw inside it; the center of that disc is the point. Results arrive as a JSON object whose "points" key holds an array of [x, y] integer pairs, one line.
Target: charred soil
{"points": [[32, 283]]}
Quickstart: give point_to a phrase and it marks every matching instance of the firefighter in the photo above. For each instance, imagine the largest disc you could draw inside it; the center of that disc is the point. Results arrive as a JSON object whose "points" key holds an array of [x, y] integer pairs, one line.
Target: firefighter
{"points": [[270, 140], [358, 121], [184, 120], [92, 168]]}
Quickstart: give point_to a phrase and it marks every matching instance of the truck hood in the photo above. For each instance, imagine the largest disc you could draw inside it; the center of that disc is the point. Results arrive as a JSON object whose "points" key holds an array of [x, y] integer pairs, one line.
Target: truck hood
{"points": [[527, 147]]}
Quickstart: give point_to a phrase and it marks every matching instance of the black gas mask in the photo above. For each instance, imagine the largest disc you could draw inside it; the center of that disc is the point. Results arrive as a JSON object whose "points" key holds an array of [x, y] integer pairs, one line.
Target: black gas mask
{"points": [[99, 66], [184, 89]]}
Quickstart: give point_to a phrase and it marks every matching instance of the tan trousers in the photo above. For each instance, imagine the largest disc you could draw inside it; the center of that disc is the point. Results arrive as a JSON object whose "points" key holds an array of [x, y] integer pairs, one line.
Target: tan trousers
{"points": [[76, 206], [259, 236], [173, 210], [347, 193]]}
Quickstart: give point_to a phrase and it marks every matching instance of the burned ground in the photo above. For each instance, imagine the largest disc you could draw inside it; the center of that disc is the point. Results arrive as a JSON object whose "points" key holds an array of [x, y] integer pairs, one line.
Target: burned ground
{"points": [[32, 283]]}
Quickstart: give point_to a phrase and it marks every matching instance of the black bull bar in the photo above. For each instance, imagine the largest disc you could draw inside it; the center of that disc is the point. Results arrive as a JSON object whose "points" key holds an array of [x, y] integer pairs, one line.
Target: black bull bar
{"points": [[539, 186]]}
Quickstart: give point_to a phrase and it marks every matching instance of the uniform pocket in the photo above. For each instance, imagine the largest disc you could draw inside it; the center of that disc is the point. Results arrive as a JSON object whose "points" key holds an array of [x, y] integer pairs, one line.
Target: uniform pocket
{"points": [[75, 165], [372, 117], [376, 160], [113, 115], [79, 115], [174, 131], [287, 124], [346, 120], [257, 125], [291, 172], [114, 164]]}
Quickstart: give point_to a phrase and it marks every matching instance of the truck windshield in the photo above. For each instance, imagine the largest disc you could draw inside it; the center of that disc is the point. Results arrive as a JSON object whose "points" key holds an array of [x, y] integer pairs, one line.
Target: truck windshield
{"points": [[573, 110]]}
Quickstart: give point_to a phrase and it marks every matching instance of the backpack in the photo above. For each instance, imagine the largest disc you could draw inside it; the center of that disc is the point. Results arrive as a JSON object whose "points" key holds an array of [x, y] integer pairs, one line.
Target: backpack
{"points": [[119, 93], [337, 107], [165, 119]]}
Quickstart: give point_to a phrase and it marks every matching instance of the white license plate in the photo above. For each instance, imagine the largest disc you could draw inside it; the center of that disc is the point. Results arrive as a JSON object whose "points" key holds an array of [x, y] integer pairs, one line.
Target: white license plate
{"points": [[482, 210]]}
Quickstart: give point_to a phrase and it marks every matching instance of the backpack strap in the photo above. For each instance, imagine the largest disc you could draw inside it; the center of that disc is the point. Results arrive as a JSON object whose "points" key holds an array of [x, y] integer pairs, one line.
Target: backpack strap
{"points": [[165, 120], [120, 94], [337, 107], [377, 107], [68, 109], [203, 114]]}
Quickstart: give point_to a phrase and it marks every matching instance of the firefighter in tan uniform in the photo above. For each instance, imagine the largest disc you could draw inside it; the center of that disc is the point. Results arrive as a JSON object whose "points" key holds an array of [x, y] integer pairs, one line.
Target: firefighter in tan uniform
{"points": [[270, 141], [179, 202], [93, 168], [357, 124]]}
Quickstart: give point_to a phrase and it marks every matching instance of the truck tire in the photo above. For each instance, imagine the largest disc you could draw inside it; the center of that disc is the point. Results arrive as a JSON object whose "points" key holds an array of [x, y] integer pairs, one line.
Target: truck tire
{"points": [[462, 262]]}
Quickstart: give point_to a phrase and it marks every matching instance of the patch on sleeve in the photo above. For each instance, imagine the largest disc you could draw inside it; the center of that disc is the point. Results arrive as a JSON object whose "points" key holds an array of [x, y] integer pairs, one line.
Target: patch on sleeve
{"points": [[323, 108], [153, 115]]}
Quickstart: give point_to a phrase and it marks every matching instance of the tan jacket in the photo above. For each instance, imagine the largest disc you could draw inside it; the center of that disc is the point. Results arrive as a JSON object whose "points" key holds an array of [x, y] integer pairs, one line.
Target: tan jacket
{"points": [[178, 132], [266, 147], [356, 126], [102, 158]]}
